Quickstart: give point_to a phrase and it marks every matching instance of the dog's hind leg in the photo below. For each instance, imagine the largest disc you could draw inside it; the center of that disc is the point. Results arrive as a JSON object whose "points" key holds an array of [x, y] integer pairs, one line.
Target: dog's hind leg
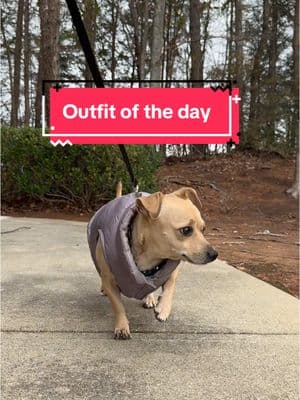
{"points": [[121, 322], [102, 292], [113, 293]]}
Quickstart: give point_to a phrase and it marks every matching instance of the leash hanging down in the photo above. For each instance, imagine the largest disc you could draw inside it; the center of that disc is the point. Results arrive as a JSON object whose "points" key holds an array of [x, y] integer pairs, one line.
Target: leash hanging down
{"points": [[93, 66]]}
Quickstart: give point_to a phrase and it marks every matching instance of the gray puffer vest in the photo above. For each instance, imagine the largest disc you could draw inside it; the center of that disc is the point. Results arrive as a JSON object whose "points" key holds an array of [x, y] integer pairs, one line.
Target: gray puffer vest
{"points": [[112, 224]]}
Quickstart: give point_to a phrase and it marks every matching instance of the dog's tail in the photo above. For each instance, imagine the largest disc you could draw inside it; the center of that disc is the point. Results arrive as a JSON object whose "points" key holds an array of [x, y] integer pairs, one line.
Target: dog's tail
{"points": [[119, 189]]}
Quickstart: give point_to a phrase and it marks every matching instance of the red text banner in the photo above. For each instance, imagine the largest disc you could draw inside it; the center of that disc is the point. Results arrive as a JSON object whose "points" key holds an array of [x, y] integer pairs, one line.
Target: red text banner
{"points": [[144, 115]]}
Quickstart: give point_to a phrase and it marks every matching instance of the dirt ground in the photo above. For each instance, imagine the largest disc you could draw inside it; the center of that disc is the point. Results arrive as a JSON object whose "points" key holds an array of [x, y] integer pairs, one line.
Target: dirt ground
{"points": [[250, 220]]}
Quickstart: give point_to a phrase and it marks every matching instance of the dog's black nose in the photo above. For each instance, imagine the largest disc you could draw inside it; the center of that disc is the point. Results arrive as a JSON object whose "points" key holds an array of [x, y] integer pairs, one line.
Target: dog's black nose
{"points": [[212, 254]]}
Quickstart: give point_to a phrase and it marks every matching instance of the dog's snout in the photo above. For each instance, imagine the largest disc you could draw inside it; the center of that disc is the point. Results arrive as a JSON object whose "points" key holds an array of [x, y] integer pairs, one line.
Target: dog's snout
{"points": [[212, 254]]}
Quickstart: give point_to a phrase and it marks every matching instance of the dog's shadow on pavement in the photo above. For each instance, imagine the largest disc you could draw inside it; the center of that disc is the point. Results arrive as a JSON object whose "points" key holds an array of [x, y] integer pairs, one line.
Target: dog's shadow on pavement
{"points": [[75, 302]]}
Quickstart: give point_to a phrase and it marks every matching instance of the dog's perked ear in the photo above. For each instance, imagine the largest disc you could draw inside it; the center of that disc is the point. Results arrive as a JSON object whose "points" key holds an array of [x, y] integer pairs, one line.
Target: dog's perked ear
{"points": [[189, 193], [150, 206]]}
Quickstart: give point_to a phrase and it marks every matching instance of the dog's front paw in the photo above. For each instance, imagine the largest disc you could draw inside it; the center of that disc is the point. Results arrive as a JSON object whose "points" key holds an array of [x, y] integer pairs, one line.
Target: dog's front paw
{"points": [[149, 301], [122, 332], [162, 312]]}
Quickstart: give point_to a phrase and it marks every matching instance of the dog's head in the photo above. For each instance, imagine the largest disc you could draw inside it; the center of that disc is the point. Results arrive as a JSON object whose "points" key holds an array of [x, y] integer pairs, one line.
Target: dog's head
{"points": [[174, 226]]}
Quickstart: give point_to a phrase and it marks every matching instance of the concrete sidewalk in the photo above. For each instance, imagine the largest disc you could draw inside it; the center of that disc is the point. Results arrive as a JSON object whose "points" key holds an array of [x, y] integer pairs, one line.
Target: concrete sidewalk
{"points": [[230, 336]]}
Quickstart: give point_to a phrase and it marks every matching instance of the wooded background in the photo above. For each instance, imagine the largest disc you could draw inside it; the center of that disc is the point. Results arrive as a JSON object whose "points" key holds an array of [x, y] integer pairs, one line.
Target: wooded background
{"points": [[253, 42]]}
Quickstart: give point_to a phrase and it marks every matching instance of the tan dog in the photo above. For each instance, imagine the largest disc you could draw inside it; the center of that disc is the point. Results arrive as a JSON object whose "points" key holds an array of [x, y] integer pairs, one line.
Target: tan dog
{"points": [[167, 226]]}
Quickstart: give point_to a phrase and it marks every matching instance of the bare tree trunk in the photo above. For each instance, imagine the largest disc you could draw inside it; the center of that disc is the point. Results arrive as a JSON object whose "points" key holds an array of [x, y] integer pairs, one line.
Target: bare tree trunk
{"points": [[89, 20], [231, 41], [139, 15], [234, 26], [239, 60], [144, 38], [38, 93], [8, 54], [195, 41], [205, 36], [114, 25], [295, 189], [271, 111], [295, 86], [157, 41], [134, 16], [255, 78], [174, 32], [196, 59], [165, 65], [27, 59], [48, 57], [17, 66]]}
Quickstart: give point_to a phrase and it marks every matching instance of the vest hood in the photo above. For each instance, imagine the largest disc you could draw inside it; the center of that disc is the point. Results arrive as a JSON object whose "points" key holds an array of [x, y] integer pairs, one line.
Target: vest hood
{"points": [[112, 224]]}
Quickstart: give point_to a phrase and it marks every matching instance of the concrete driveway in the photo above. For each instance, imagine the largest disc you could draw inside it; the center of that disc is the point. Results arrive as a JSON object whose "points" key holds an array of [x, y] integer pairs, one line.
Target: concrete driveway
{"points": [[230, 336]]}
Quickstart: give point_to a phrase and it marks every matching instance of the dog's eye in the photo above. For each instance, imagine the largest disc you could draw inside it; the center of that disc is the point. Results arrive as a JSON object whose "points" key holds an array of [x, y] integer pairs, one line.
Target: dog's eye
{"points": [[186, 231]]}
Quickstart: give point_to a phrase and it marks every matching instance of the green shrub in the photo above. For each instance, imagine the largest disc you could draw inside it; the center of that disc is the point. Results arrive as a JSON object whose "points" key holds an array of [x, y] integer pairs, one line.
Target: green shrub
{"points": [[84, 175]]}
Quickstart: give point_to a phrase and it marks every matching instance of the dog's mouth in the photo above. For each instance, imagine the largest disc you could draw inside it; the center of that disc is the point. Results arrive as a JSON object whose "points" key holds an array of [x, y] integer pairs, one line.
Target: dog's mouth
{"points": [[186, 258], [199, 260]]}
